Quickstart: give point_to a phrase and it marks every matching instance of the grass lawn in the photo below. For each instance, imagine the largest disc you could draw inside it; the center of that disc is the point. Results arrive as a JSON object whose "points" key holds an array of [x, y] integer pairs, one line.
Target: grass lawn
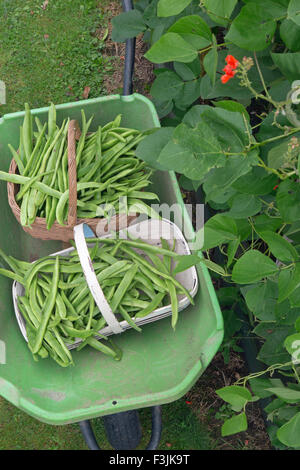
{"points": [[51, 54], [181, 431]]}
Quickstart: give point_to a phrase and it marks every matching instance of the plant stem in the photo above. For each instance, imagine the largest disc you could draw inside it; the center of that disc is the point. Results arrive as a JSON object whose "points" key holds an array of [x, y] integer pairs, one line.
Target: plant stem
{"points": [[271, 369], [211, 46], [261, 76], [274, 139], [296, 374], [272, 170]]}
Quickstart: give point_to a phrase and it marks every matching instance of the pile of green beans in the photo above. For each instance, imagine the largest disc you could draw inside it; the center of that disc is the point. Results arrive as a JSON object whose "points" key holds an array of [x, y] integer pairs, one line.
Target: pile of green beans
{"points": [[57, 305], [107, 170]]}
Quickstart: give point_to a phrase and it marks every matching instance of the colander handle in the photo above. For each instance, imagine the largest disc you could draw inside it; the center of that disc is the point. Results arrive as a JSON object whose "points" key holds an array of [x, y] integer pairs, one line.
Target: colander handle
{"points": [[92, 281]]}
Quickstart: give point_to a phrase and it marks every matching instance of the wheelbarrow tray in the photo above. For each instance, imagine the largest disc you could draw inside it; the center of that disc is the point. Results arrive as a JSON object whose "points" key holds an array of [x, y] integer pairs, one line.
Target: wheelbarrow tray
{"points": [[158, 365]]}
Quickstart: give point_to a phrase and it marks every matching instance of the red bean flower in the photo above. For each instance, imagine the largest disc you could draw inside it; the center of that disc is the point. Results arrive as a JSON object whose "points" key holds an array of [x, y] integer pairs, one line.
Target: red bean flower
{"points": [[230, 60], [225, 78], [229, 69]]}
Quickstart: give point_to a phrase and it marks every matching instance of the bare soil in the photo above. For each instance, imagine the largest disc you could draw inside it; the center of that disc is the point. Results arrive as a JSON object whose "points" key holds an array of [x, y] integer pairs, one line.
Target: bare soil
{"points": [[205, 403], [143, 71]]}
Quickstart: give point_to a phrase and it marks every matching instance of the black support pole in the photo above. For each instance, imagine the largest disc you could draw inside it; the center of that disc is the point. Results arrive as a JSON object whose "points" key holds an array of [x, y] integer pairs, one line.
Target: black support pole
{"points": [[129, 56]]}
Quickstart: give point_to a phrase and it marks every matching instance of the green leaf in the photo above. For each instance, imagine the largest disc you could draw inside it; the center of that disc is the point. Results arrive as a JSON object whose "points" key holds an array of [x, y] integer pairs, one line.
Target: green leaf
{"points": [[244, 205], [278, 92], [285, 413], [279, 247], [287, 198], [261, 300], [221, 181], [252, 267], [272, 350], [234, 425], [163, 108], [284, 3], [192, 152], [244, 228], [265, 329], [286, 394], [232, 106], [195, 67], [219, 229], [231, 250], [184, 71], [285, 314], [210, 62], [274, 405], [192, 25], [220, 11], [176, 158], [276, 155], [218, 200], [292, 345], [171, 47], [194, 115], [263, 221], [275, 442], [235, 395], [289, 433], [213, 266], [166, 86], [188, 184], [150, 147], [171, 7], [273, 7], [267, 130], [257, 182], [288, 63], [290, 34], [195, 151], [294, 11], [230, 127], [185, 262], [294, 298], [293, 231], [260, 386], [288, 281], [297, 325], [190, 93], [127, 25], [253, 29], [227, 296], [232, 324]]}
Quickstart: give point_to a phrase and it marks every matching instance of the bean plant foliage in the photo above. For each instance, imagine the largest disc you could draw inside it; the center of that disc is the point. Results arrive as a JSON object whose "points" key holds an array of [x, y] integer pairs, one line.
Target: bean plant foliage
{"points": [[227, 90]]}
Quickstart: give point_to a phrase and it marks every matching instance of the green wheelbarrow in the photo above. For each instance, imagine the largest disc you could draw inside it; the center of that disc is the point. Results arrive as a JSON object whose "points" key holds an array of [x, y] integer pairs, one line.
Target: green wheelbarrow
{"points": [[158, 366]]}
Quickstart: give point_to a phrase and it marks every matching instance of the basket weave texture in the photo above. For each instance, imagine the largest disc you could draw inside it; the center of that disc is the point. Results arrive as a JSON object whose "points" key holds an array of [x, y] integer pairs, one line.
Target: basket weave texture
{"points": [[38, 228]]}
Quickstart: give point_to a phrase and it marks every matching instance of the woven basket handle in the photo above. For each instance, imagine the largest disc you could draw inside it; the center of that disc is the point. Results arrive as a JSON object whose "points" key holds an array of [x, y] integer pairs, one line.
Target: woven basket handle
{"points": [[73, 135]]}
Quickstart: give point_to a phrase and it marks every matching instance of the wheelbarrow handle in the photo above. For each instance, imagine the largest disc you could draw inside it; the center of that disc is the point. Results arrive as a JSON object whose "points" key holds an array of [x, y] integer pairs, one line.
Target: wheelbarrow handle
{"points": [[156, 428], [129, 56], [91, 441]]}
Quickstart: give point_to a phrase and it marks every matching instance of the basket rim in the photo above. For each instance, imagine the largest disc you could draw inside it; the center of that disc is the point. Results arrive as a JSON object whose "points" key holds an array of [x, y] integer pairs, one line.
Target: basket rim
{"points": [[40, 222]]}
